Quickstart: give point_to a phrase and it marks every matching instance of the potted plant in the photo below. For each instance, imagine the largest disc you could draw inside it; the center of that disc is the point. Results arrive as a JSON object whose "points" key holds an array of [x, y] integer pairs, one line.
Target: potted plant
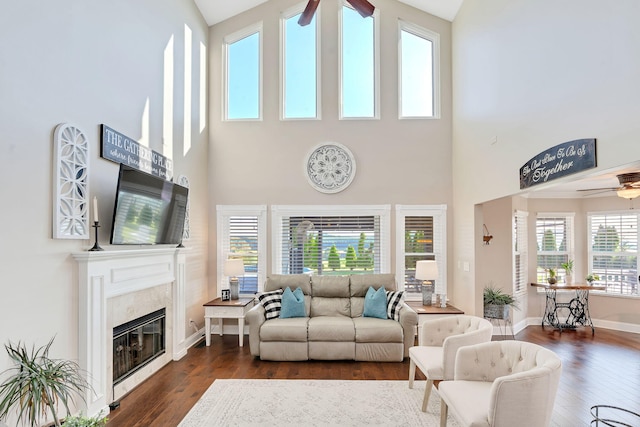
{"points": [[591, 278], [37, 385], [497, 303], [552, 276], [83, 421], [568, 268]]}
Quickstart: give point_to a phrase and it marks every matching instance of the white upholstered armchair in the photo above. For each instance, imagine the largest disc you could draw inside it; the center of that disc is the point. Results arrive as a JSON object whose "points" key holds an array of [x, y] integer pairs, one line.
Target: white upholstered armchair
{"points": [[502, 384], [441, 338]]}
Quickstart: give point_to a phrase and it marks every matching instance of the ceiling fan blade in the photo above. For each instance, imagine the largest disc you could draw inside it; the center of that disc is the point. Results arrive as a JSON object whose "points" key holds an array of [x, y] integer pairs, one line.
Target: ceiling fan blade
{"points": [[307, 15], [363, 7], [599, 189]]}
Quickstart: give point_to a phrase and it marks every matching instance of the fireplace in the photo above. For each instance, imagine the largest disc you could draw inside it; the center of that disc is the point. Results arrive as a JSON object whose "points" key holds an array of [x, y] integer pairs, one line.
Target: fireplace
{"points": [[137, 343], [117, 287]]}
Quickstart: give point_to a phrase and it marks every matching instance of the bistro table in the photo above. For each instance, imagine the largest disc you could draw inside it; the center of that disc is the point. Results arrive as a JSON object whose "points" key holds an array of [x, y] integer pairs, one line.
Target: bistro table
{"points": [[577, 307]]}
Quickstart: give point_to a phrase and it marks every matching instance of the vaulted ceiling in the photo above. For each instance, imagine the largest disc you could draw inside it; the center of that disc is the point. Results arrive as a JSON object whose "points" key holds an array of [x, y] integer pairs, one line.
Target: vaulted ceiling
{"points": [[215, 11]]}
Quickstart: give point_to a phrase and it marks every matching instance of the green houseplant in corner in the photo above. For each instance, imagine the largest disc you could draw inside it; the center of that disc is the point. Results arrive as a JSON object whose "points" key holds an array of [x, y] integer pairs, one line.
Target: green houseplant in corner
{"points": [[38, 386], [497, 303]]}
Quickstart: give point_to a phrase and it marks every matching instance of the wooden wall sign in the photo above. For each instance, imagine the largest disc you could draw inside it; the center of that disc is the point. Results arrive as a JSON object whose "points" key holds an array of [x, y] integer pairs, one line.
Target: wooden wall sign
{"points": [[562, 160], [120, 148]]}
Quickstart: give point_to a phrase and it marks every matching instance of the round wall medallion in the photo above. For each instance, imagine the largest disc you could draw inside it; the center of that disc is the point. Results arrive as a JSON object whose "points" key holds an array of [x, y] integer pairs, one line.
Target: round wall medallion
{"points": [[330, 168]]}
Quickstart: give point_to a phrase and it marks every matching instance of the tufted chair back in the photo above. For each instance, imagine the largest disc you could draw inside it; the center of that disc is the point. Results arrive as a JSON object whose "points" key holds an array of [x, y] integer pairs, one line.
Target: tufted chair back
{"points": [[453, 332], [521, 382]]}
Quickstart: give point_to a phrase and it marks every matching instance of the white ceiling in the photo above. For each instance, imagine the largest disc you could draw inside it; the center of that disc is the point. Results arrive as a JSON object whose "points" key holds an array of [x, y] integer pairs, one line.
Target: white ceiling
{"points": [[215, 11]]}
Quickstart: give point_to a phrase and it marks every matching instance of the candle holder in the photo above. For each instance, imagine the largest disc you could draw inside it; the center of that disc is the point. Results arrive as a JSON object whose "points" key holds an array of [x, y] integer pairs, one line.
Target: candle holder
{"points": [[96, 246]]}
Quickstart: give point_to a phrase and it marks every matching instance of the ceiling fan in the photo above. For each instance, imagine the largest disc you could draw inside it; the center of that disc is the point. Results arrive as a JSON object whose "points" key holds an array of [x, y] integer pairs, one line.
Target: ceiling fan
{"points": [[363, 7], [629, 186]]}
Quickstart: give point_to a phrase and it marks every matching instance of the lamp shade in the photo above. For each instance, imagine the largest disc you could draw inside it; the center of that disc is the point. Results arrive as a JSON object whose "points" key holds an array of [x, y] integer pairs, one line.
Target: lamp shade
{"points": [[426, 270], [234, 267]]}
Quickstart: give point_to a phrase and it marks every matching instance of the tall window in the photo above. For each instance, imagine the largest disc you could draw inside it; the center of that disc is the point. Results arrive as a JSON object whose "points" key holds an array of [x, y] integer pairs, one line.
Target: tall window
{"points": [[613, 251], [520, 270], [554, 240], [419, 64], [242, 234], [321, 241], [359, 65], [420, 235], [300, 82], [243, 74]]}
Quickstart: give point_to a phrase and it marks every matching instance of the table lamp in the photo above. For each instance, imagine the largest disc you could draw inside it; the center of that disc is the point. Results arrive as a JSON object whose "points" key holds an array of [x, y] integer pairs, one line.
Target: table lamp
{"points": [[427, 271], [234, 268]]}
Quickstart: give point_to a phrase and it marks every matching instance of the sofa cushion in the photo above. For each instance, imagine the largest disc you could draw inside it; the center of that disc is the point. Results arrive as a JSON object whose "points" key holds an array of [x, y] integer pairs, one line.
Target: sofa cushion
{"points": [[292, 304], [375, 303], [282, 281], [323, 306], [394, 304], [330, 286], [331, 328], [293, 329], [359, 283], [370, 329], [272, 303]]}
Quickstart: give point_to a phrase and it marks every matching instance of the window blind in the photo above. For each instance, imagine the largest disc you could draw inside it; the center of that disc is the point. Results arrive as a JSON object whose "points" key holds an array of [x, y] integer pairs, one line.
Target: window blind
{"points": [[554, 241], [520, 270], [613, 251]]}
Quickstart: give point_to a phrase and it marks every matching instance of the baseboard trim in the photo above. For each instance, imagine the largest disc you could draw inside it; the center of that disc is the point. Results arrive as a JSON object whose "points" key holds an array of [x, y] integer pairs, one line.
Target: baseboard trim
{"points": [[194, 338]]}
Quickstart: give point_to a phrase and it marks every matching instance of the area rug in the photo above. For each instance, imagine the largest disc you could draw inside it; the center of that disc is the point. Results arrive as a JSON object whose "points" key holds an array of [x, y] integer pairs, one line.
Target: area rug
{"points": [[314, 403]]}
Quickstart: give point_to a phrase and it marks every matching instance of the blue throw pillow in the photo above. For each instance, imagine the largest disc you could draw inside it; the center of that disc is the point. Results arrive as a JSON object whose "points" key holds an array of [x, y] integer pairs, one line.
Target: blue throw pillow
{"points": [[375, 303], [292, 304]]}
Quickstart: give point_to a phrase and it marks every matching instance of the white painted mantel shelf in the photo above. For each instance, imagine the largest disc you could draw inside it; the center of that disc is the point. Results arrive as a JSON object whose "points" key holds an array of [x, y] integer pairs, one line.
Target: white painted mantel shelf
{"points": [[103, 275]]}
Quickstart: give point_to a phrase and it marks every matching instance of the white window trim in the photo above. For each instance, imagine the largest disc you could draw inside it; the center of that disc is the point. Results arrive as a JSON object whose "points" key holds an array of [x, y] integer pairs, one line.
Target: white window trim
{"points": [[438, 212], [230, 39], [280, 211], [435, 39], [226, 211], [570, 241], [376, 64], [287, 14]]}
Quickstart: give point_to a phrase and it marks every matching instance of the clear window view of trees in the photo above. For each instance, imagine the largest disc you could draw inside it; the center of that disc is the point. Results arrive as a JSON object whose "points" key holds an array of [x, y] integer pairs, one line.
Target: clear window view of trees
{"points": [[337, 256]]}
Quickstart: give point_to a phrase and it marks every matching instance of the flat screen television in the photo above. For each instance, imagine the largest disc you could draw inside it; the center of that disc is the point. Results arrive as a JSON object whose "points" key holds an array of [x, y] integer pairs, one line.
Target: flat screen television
{"points": [[148, 210]]}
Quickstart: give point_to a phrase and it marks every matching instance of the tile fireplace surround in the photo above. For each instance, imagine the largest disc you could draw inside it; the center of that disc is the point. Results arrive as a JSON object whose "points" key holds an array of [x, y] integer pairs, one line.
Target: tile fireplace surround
{"points": [[116, 286]]}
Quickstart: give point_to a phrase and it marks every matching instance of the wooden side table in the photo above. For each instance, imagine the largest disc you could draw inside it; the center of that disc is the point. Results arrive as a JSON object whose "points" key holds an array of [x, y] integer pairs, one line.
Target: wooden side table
{"points": [[426, 312], [233, 309]]}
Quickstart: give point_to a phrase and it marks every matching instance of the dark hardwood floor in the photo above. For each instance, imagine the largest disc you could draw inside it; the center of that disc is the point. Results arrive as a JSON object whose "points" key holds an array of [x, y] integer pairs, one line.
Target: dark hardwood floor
{"points": [[597, 369]]}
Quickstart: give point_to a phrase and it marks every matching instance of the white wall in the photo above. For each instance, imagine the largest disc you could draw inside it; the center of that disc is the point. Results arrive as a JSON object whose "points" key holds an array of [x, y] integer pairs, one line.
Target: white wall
{"points": [[398, 161], [87, 63], [533, 74]]}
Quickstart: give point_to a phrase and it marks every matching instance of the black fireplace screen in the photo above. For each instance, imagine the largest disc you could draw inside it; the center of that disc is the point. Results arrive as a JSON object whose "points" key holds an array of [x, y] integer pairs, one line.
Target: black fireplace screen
{"points": [[137, 343]]}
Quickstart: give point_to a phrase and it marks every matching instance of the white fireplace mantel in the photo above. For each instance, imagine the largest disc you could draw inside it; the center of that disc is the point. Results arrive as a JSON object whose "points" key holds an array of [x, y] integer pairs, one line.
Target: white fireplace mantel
{"points": [[111, 273]]}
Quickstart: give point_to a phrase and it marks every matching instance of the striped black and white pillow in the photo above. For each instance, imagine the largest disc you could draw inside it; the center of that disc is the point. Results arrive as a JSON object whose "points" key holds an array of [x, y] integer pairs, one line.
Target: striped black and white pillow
{"points": [[394, 304], [272, 303]]}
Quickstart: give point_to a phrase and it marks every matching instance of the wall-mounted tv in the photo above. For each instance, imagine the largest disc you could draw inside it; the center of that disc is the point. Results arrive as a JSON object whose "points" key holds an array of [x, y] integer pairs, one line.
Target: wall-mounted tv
{"points": [[148, 210]]}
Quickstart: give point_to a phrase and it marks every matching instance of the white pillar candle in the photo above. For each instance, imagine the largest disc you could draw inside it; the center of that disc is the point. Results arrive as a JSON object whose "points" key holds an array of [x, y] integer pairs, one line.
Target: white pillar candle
{"points": [[95, 209]]}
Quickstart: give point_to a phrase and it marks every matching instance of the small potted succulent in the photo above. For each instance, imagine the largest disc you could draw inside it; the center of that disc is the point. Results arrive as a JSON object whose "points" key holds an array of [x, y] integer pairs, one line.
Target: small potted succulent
{"points": [[552, 279], [497, 303], [591, 278]]}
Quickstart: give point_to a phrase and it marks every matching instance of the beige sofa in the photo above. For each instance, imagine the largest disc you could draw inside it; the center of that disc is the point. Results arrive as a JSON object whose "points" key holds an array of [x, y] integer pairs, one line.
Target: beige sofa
{"points": [[335, 328]]}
